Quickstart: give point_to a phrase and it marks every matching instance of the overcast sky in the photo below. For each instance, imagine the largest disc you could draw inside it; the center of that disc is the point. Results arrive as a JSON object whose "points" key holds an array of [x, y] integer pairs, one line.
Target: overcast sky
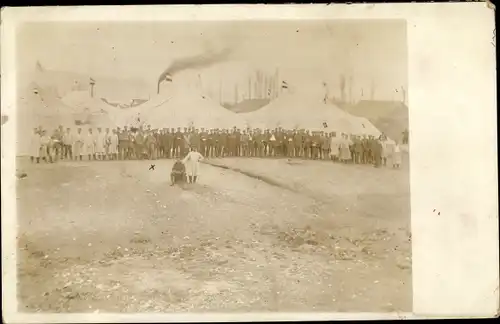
{"points": [[306, 53]]}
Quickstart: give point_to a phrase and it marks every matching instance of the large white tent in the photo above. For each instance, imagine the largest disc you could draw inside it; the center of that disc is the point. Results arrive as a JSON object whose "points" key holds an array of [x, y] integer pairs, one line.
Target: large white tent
{"points": [[93, 111], [293, 111], [193, 111], [182, 107]]}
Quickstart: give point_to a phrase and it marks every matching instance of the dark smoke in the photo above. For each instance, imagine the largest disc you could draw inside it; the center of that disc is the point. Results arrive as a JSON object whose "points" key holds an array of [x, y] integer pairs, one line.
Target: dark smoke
{"points": [[194, 62]]}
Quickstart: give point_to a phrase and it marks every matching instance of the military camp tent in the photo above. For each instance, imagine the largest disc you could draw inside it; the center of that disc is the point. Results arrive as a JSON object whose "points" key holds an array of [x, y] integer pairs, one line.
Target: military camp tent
{"points": [[190, 109], [295, 111]]}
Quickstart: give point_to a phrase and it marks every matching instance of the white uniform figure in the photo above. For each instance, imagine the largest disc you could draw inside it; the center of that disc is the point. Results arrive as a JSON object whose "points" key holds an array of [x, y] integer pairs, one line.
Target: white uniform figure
{"points": [[89, 143], [45, 147], [334, 147], [192, 163], [113, 143], [35, 145], [100, 143], [78, 144]]}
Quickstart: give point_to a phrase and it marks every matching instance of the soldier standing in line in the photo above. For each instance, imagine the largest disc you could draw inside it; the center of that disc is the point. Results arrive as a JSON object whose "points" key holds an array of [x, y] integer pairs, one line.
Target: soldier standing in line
{"points": [[254, 143], [225, 143], [150, 143], [107, 145], [217, 142], [325, 145], [231, 143], [177, 143], [170, 143], [45, 147], [67, 142], [297, 143], [121, 143], [237, 142], [139, 144], [77, 145], [203, 142], [196, 140], [35, 146], [131, 143], [290, 146], [100, 142], [358, 150], [244, 148], [90, 145], [168, 137], [307, 144], [334, 147]]}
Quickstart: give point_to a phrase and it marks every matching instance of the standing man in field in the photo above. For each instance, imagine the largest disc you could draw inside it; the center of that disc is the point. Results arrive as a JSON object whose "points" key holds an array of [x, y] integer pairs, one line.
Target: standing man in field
{"points": [[244, 148], [67, 142], [123, 143], [46, 147], [78, 142], [113, 145], [139, 144], [100, 144], [90, 145], [35, 146], [192, 163], [150, 143], [325, 145], [334, 147]]}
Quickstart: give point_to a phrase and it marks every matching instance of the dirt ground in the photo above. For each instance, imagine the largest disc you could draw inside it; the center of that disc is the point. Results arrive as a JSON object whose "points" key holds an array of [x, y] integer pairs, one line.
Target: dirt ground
{"points": [[252, 235]]}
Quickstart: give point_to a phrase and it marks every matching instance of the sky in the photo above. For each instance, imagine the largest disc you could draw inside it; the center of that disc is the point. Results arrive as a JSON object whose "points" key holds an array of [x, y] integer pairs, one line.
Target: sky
{"points": [[306, 53]]}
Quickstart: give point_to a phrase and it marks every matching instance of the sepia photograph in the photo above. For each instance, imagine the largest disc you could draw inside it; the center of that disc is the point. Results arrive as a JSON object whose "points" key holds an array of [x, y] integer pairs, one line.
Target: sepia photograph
{"points": [[225, 163], [213, 166]]}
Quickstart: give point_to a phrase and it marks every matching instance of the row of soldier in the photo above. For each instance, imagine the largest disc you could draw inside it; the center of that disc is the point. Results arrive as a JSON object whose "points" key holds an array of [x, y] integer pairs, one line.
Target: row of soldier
{"points": [[145, 143]]}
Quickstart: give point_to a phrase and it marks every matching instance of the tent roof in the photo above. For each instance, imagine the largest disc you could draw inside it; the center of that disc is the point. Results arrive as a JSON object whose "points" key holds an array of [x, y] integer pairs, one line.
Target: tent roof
{"points": [[293, 111], [184, 109], [81, 101]]}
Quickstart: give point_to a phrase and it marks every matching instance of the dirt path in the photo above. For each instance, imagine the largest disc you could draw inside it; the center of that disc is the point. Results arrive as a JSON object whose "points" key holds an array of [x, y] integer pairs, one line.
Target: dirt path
{"points": [[113, 236]]}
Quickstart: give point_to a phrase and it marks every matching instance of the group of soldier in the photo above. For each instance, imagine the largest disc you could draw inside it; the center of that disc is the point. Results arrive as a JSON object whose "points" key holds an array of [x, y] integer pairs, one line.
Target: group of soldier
{"points": [[132, 143]]}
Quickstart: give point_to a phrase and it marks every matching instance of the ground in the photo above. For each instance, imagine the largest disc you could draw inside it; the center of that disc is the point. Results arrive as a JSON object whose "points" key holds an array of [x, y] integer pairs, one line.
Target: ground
{"points": [[252, 235]]}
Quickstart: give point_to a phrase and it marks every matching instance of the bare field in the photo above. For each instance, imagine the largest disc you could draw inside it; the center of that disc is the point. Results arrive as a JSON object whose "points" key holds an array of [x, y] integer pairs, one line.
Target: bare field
{"points": [[252, 235]]}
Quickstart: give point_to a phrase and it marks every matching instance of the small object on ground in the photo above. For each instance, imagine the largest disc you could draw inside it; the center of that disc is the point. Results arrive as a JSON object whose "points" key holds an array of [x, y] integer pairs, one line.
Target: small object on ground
{"points": [[21, 175]]}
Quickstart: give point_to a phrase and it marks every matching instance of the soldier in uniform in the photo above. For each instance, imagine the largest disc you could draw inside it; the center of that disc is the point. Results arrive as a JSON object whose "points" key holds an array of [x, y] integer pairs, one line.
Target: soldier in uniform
{"points": [[90, 144], [290, 147], [78, 142], [150, 145], [307, 144], [358, 150], [139, 144], [178, 138], [245, 140], [297, 143], [195, 140], [57, 143], [67, 145], [231, 143], [35, 145], [203, 142], [45, 147], [237, 142], [325, 145], [224, 139], [211, 143]]}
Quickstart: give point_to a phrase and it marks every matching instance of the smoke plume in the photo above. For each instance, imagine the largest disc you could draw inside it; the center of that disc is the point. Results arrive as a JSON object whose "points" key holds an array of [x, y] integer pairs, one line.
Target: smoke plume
{"points": [[195, 62]]}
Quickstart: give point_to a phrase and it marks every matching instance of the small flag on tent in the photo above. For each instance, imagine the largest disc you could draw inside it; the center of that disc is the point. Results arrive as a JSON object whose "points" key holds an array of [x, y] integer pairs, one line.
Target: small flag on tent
{"points": [[325, 125], [92, 81], [284, 85]]}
